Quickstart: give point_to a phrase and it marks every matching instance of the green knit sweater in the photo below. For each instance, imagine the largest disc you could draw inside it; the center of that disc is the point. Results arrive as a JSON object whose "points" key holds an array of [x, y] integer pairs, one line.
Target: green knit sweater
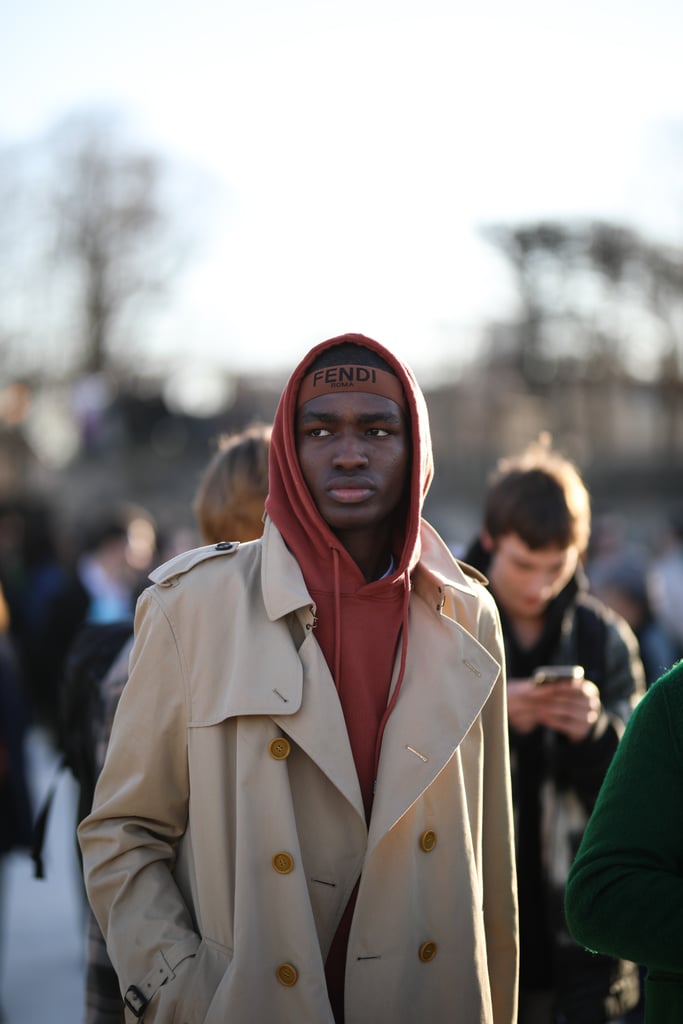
{"points": [[625, 889]]}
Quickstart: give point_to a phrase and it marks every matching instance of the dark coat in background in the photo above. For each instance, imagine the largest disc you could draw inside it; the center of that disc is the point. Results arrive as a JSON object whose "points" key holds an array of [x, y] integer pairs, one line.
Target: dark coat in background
{"points": [[15, 802]]}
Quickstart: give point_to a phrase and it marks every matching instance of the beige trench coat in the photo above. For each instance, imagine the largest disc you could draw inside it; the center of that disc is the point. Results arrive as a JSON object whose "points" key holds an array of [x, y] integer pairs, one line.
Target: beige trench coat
{"points": [[228, 829]]}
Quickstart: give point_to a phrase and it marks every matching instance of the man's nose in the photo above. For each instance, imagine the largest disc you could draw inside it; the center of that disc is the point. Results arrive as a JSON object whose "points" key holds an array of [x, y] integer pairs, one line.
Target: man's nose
{"points": [[542, 586], [350, 452]]}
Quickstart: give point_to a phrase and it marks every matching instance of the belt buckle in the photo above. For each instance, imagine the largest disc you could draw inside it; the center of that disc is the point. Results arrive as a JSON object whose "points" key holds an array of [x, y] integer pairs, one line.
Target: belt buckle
{"points": [[135, 1001]]}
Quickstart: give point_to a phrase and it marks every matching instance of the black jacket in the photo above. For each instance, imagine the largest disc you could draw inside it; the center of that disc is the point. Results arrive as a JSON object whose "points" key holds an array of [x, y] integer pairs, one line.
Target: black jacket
{"points": [[555, 784]]}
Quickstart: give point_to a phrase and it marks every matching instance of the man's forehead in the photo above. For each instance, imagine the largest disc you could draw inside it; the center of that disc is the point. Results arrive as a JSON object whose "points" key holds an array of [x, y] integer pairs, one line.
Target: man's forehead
{"points": [[512, 544], [350, 405]]}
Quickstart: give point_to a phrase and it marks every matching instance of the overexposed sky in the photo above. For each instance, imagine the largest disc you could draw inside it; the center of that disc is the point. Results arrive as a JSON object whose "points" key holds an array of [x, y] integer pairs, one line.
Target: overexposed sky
{"points": [[359, 145]]}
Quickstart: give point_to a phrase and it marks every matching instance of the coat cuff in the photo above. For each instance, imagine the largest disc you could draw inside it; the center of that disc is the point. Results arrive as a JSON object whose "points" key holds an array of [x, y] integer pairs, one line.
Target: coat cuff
{"points": [[137, 996]]}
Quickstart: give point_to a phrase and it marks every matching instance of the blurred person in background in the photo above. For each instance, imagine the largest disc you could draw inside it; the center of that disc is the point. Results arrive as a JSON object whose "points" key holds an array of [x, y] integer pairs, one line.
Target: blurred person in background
{"points": [[228, 506], [15, 802], [304, 812], [97, 592], [536, 527], [619, 577], [229, 503], [33, 572], [624, 892], [665, 580], [107, 574]]}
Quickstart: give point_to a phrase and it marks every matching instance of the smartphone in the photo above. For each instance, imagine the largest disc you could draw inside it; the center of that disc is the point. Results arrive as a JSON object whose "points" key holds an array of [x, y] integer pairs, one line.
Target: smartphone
{"points": [[553, 673]]}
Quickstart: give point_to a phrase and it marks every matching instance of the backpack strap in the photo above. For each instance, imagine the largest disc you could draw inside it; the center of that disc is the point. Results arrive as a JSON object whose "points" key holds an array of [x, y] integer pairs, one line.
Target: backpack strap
{"points": [[41, 823]]}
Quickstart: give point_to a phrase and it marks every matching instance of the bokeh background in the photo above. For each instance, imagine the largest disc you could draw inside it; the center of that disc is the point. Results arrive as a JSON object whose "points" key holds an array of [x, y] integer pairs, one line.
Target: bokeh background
{"points": [[191, 195]]}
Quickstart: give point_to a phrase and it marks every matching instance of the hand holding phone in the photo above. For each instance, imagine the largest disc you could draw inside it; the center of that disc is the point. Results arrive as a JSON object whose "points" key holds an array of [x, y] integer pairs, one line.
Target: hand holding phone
{"points": [[554, 673]]}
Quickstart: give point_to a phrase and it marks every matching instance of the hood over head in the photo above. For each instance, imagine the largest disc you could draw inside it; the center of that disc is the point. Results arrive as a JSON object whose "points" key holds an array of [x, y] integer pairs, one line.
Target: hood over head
{"points": [[289, 503]]}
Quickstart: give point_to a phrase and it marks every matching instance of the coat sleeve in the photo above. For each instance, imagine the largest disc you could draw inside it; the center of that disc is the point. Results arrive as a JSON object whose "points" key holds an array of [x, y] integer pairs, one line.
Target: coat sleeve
{"points": [[624, 893], [139, 813]]}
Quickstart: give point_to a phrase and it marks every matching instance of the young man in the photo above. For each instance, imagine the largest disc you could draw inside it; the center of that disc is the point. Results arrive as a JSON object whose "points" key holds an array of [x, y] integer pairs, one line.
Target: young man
{"points": [[305, 812], [563, 733]]}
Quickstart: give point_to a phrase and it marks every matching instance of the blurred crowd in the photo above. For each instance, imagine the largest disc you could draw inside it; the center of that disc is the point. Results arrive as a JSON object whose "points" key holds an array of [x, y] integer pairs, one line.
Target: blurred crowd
{"points": [[67, 600], [54, 581], [644, 584]]}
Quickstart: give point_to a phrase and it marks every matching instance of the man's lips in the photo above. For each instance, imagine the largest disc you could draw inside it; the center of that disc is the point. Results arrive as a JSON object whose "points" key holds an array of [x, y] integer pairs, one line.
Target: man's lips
{"points": [[349, 492]]}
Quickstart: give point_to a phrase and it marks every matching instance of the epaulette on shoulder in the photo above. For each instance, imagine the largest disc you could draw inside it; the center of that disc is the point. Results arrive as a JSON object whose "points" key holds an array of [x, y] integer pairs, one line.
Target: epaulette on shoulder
{"points": [[187, 560], [469, 570]]}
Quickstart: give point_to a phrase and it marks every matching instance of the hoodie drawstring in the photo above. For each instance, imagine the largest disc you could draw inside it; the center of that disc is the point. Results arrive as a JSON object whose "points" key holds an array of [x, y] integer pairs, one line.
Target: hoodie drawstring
{"points": [[401, 670], [337, 617]]}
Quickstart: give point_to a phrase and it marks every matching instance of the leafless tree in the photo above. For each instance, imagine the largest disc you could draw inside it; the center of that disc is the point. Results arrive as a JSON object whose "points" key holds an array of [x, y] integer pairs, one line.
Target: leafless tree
{"points": [[108, 240], [114, 236], [596, 289], [598, 296]]}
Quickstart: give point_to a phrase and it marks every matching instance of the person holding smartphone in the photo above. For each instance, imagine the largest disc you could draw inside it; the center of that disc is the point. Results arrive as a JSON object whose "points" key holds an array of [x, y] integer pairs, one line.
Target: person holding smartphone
{"points": [[574, 676]]}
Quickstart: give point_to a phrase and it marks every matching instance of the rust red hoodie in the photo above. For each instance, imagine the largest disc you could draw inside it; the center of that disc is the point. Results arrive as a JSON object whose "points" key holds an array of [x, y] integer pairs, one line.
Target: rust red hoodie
{"points": [[360, 625]]}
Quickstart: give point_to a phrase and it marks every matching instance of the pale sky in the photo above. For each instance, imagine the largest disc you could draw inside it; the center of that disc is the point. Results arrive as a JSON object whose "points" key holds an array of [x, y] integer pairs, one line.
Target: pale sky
{"points": [[358, 146]]}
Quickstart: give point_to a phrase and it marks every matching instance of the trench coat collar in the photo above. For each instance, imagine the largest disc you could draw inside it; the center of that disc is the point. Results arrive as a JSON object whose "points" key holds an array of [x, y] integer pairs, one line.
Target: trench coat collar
{"points": [[285, 591], [282, 582], [428, 722]]}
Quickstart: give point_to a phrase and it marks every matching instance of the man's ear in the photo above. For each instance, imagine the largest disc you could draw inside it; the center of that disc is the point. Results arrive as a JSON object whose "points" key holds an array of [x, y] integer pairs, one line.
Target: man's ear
{"points": [[487, 541]]}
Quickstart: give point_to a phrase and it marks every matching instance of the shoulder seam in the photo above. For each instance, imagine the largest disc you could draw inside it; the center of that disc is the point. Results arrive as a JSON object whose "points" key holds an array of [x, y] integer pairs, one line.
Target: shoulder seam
{"points": [[187, 560]]}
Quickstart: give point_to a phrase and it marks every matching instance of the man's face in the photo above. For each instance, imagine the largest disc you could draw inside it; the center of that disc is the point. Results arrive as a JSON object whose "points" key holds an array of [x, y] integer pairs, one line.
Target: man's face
{"points": [[354, 454], [525, 580]]}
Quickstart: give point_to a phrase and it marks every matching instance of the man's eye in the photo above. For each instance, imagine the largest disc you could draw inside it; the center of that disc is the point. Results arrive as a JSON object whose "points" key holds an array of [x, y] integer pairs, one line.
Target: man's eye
{"points": [[318, 432], [378, 432]]}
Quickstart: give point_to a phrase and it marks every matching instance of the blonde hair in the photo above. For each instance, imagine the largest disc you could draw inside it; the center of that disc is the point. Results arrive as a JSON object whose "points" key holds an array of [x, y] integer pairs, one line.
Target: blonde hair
{"points": [[540, 496], [232, 491]]}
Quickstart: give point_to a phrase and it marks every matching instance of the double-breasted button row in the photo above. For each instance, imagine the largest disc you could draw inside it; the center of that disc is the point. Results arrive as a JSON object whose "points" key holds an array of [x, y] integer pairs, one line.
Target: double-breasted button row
{"points": [[428, 840], [279, 748], [427, 950], [283, 863]]}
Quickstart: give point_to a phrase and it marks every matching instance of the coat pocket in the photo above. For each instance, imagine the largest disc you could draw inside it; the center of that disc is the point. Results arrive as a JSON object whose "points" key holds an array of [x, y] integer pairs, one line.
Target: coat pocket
{"points": [[186, 1000]]}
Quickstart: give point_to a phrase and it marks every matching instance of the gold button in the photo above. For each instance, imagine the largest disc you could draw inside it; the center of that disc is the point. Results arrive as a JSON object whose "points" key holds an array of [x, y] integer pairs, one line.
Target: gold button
{"points": [[287, 975], [283, 863], [427, 952], [428, 840], [279, 748]]}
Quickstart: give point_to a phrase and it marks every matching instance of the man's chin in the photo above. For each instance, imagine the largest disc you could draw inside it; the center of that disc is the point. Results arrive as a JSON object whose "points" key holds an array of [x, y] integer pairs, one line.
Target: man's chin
{"points": [[531, 612]]}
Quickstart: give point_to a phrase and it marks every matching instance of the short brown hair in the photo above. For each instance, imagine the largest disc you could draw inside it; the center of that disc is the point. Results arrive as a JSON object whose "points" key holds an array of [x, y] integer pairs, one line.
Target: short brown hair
{"points": [[540, 496], [231, 495]]}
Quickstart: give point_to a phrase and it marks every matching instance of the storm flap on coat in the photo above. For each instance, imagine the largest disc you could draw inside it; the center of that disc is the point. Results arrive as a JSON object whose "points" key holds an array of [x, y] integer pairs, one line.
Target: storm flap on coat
{"points": [[360, 625]]}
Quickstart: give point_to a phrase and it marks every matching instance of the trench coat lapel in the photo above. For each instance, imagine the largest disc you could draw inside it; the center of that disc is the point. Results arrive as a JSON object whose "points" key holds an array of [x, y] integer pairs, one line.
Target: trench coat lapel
{"points": [[446, 683], [318, 725]]}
